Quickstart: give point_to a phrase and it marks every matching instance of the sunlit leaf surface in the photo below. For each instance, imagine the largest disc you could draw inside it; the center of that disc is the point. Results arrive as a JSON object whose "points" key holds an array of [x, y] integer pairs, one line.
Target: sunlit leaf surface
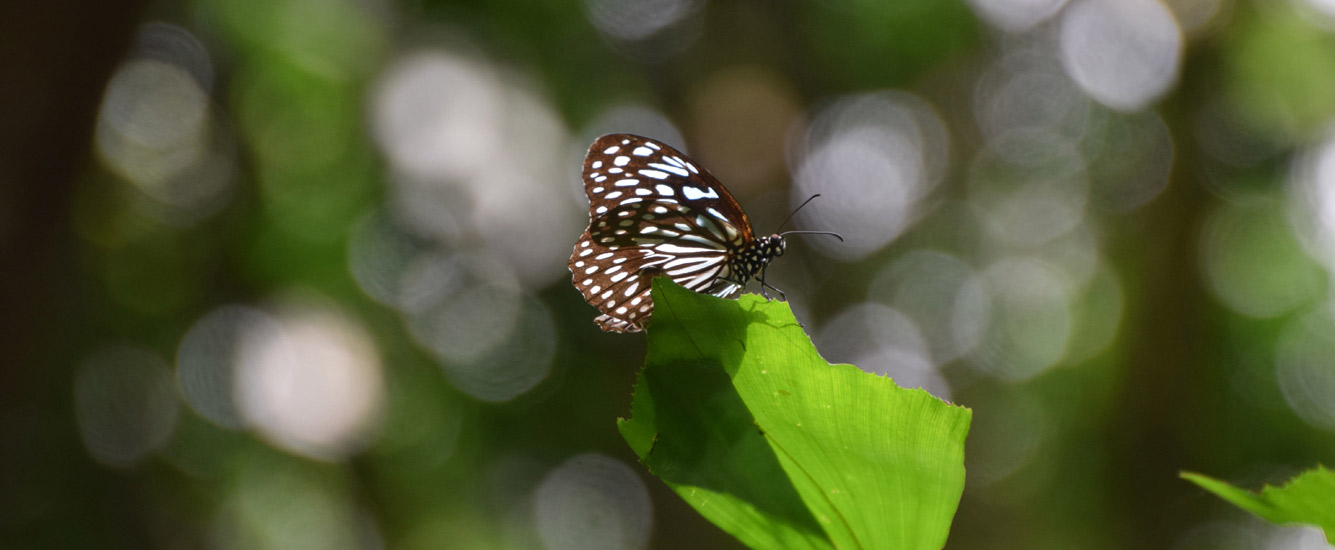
{"points": [[1308, 498], [738, 413]]}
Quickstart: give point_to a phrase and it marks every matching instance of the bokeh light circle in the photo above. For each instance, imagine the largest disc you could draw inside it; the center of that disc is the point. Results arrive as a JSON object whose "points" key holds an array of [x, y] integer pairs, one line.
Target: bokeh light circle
{"points": [[1304, 370], [1130, 158], [1016, 15], [1123, 53], [1030, 320], [873, 158], [125, 405], [1252, 260], [156, 128], [593, 501], [881, 340], [941, 293], [207, 358], [310, 382], [434, 114], [473, 147], [1029, 205], [1025, 91]]}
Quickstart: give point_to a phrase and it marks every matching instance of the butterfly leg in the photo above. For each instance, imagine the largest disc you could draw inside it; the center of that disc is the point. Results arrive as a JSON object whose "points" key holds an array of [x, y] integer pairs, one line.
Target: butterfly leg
{"points": [[766, 286]]}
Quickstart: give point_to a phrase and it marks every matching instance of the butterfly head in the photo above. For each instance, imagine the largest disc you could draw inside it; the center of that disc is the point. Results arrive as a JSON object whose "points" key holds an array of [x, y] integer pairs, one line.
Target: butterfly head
{"points": [[772, 246]]}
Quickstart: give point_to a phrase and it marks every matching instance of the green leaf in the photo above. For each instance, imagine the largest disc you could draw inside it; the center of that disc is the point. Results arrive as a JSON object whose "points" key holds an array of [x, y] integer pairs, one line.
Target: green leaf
{"points": [[737, 412], [1308, 498]]}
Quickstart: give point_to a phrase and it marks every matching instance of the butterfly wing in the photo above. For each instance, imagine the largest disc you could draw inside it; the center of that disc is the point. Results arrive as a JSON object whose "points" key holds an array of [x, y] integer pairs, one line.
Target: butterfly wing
{"points": [[652, 212]]}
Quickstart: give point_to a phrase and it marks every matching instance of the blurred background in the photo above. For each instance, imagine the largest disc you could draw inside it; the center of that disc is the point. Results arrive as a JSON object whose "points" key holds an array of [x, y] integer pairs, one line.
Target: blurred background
{"points": [[291, 273]]}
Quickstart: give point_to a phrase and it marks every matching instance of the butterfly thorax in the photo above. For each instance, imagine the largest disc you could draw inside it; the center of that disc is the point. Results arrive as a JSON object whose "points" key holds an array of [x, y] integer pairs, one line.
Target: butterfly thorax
{"points": [[751, 260]]}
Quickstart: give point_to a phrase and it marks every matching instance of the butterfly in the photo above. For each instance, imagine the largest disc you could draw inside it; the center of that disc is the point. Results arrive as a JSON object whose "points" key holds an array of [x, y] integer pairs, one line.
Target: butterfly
{"points": [[653, 212]]}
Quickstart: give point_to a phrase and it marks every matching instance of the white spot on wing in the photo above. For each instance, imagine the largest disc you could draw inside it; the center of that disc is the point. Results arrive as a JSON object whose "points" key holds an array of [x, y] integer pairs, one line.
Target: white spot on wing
{"points": [[642, 151], [670, 168], [702, 240], [613, 195], [643, 191], [611, 150], [687, 262], [669, 248], [621, 160], [693, 193], [597, 164], [627, 182], [664, 190], [656, 174]]}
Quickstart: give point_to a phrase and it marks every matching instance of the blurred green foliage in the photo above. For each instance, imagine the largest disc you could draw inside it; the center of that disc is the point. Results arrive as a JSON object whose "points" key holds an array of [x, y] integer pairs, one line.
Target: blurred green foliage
{"points": [[1303, 499], [1133, 294]]}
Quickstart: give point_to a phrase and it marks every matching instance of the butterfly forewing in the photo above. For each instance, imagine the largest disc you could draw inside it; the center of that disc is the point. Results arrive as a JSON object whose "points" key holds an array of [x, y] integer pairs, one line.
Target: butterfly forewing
{"points": [[623, 169], [652, 212]]}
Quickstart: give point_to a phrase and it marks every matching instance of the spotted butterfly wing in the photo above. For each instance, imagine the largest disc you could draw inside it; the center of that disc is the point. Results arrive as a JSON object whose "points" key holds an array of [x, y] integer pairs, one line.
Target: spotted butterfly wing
{"points": [[654, 212]]}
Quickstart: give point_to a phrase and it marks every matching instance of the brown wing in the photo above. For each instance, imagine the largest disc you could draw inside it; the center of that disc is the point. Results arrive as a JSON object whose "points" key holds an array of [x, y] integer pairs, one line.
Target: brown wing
{"points": [[622, 167], [652, 212]]}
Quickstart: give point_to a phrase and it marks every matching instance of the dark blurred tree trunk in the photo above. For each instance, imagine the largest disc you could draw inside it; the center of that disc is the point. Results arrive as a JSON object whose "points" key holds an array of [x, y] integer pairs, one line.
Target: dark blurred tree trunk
{"points": [[1159, 408], [55, 57]]}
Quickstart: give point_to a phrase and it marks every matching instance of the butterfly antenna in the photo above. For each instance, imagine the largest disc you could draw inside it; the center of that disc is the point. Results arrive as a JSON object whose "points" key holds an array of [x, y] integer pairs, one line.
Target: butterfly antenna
{"points": [[831, 233], [795, 210]]}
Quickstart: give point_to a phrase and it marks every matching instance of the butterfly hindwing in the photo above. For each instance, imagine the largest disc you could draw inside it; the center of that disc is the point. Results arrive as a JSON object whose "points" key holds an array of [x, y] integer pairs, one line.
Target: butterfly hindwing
{"points": [[612, 279]]}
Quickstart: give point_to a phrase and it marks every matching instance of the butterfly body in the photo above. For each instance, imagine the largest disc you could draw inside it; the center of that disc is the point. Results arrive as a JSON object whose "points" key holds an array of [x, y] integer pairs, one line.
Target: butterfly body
{"points": [[653, 212]]}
